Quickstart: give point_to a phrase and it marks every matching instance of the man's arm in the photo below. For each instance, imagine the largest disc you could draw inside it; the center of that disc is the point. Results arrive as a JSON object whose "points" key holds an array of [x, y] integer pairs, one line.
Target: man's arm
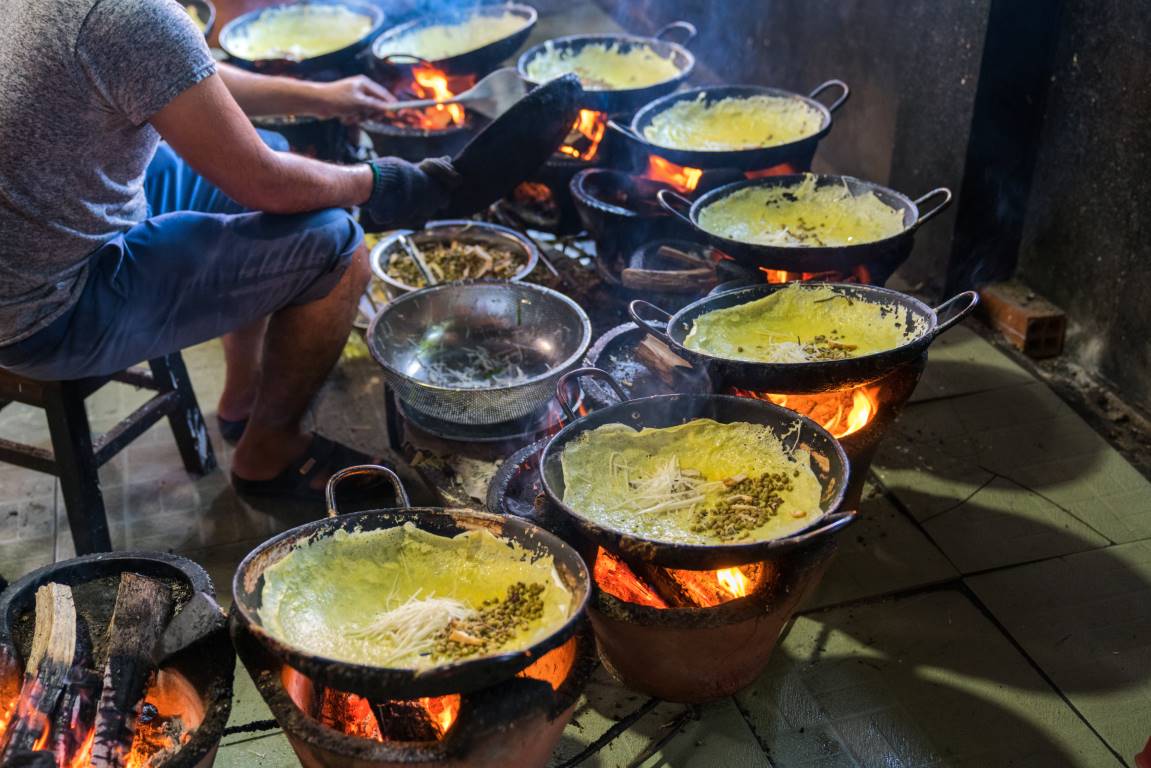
{"points": [[350, 98], [207, 128]]}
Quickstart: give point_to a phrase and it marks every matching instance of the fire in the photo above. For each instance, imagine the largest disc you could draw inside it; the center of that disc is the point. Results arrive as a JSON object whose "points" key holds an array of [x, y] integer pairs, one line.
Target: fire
{"points": [[840, 413], [431, 83], [683, 179], [84, 756], [732, 580], [615, 578], [588, 130], [443, 709]]}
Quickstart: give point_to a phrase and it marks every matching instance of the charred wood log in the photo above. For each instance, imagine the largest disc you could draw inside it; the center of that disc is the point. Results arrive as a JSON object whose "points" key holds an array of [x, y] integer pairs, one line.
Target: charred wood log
{"points": [[143, 608], [405, 721], [76, 714], [662, 583], [666, 364], [45, 673], [38, 759]]}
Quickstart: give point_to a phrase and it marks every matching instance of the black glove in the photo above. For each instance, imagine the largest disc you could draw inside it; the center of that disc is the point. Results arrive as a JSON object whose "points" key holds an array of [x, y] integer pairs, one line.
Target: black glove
{"points": [[407, 195]]}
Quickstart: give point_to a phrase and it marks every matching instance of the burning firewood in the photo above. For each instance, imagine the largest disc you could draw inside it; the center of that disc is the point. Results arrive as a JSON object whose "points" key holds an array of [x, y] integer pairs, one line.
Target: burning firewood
{"points": [[405, 721], [143, 607], [45, 674]]}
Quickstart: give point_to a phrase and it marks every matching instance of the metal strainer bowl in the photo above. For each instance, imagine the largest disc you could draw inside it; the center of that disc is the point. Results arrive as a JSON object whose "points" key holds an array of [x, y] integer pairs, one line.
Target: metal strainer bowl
{"points": [[478, 352]]}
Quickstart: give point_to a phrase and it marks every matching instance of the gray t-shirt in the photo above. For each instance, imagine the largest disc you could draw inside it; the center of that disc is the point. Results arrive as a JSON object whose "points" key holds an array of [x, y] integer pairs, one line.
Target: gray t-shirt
{"points": [[79, 80]]}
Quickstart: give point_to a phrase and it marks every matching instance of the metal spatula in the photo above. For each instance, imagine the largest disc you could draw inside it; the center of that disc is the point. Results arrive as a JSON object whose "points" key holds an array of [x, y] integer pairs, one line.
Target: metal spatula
{"points": [[490, 97]]}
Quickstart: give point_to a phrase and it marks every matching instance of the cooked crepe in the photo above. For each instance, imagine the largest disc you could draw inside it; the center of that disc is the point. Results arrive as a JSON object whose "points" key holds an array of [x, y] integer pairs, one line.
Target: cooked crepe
{"points": [[801, 324], [802, 214], [603, 67], [300, 32], [702, 482], [748, 122], [443, 41], [408, 599], [194, 13]]}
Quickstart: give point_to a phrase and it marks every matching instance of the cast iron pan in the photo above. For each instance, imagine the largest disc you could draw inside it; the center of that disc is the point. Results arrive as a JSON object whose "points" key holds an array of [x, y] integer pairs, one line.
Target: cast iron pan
{"points": [[342, 60], [630, 99], [478, 62], [515, 145], [386, 683], [820, 376], [799, 153], [828, 462], [890, 251]]}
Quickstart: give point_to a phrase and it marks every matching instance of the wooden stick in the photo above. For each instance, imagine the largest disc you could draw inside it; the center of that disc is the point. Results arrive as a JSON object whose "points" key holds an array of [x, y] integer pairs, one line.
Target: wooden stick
{"points": [[659, 358], [46, 672], [143, 607], [668, 281]]}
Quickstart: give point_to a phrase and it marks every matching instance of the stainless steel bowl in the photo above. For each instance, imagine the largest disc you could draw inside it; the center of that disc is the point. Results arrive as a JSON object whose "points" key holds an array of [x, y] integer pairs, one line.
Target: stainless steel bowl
{"points": [[422, 331], [466, 231]]}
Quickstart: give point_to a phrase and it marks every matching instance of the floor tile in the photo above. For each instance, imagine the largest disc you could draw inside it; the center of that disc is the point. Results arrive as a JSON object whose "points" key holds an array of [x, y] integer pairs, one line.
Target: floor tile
{"points": [[1086, 621], [1003, 524], [881, 552], [266, 750], [961, 362], [926, 680]]}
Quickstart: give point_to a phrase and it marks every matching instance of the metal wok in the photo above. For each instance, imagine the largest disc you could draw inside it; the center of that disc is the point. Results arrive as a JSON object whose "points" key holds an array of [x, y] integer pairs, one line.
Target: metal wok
{"points": [[889, 252], [478, 62], [629, 99], [829, 463], [817, 376], [383, 682], [340, 62], [798, 153]]}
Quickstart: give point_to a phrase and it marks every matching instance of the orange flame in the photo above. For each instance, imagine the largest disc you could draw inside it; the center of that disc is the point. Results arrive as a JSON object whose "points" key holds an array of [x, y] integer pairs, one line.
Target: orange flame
{"points": [[733, 581], [443, 710], [590, 125], [840, 413], [433, 84], [683, 179], [614, 577]]}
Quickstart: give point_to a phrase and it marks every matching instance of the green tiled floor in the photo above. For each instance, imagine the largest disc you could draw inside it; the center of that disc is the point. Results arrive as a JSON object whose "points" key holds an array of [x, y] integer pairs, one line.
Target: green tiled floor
{"points": [[991, 607]]}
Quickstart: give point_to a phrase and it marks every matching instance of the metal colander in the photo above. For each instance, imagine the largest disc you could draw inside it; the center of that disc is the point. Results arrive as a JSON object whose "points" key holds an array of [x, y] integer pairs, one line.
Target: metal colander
{"points": [[413, 334]]}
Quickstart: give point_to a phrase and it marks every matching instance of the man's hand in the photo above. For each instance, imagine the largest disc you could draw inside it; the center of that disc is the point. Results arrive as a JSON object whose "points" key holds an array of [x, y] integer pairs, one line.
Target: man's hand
{"points": [[352, 99]]}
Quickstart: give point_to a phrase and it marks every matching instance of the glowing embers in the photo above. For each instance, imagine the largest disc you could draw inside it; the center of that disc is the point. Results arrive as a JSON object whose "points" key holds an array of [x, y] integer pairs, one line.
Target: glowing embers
{"points": [[425, 719], [841, 413], [676, 588], [585, 136], [171, 712]]}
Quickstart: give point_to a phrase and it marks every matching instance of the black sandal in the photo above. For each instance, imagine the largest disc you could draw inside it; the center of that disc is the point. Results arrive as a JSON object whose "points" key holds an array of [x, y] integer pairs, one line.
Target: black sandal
{"points": [[295, 482]]}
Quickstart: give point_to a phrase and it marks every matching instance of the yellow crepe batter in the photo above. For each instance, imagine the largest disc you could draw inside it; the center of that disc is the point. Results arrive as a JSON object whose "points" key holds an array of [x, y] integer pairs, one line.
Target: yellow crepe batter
{"points": [[443, 41], [702, 482], [799, 324], [404, 598], [801, 215], [733, 123], [602, 67], [300, 32]]}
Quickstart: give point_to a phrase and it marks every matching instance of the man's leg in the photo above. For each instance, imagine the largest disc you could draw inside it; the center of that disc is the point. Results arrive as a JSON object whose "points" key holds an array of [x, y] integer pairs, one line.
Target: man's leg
{"points": [[301, 346], [243, 350]]}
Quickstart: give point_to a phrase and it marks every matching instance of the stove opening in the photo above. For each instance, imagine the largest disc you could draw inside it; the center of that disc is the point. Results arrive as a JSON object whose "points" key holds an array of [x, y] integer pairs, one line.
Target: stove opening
{"points": [[841, 413], [585, 136], [427, 82], [675, 587]]}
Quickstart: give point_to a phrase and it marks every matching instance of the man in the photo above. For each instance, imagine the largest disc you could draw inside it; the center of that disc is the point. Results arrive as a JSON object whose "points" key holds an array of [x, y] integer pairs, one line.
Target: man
{"points": [[117, 248]]}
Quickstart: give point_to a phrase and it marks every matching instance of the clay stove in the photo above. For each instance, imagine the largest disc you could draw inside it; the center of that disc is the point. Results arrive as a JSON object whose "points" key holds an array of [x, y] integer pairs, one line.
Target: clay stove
{"points": [[186, 702], [517, 722]]}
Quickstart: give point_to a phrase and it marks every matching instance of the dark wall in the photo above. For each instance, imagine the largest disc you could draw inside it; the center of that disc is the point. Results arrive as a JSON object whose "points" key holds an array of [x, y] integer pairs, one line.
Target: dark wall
{"points": [[1085, 241], [913, 68]]}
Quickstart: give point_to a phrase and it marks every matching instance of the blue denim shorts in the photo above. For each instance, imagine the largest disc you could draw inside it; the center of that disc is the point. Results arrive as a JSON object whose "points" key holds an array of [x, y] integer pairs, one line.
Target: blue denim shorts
{"points": [[199, 267]]}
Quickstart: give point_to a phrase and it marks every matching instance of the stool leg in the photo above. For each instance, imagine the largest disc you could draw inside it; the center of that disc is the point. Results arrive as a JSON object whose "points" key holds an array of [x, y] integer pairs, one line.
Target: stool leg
{"points": [[76, 463], [186, 421]]}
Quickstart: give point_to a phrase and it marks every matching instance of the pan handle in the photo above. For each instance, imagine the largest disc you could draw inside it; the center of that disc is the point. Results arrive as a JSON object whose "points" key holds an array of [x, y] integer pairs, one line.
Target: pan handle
{"points": [[364, 469], [686, 27], [831, 524], [668, 201], [627, 132], [574, 375], [943, 192], [844, 93], [639, 305], [972, 301]]}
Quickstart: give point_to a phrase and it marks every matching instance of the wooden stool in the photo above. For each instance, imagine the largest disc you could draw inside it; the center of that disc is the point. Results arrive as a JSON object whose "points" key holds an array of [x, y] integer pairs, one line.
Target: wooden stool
{"points": [[75, 455]]}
